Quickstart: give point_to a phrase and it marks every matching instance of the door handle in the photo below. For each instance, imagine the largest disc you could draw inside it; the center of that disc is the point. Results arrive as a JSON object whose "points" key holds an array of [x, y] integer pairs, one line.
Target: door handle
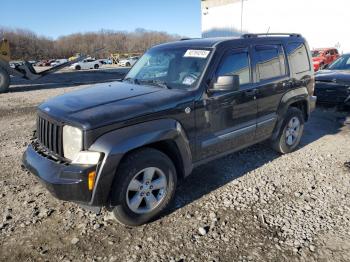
{"points": [[251, 92]]}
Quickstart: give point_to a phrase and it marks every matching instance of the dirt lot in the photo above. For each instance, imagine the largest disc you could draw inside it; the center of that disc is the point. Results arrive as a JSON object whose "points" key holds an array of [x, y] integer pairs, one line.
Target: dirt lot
{"points": [[253, 205]]}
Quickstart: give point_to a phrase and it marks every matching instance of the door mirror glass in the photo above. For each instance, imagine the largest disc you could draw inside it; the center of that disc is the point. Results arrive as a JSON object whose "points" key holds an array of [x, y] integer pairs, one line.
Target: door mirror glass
{"points": [[226, 83]]}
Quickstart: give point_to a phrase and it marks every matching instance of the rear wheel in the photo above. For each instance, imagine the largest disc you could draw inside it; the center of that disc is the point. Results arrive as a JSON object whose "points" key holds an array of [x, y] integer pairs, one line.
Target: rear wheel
{"points": [[291, 132], [128, 64], [4, 81], [78, 67], [144, 187]]}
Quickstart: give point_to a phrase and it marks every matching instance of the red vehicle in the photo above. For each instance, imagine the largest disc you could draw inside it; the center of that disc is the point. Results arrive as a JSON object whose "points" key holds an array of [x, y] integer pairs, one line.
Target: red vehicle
{"points": [[323, 56]]}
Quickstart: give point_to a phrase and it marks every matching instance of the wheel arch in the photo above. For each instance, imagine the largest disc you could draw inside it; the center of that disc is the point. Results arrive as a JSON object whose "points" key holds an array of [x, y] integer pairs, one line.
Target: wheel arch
{"points": [[166, 135], [297, 98]]}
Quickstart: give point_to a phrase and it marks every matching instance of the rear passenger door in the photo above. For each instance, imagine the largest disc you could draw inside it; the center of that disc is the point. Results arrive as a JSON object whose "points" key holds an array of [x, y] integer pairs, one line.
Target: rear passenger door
{"points": [[272, 82]]}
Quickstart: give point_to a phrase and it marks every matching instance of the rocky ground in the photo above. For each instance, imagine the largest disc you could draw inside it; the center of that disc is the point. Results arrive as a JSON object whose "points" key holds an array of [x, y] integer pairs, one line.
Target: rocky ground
{"points": [[253, 205]]}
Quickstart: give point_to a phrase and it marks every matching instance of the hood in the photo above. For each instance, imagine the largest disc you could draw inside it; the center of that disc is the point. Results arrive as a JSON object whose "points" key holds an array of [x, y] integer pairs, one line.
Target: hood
{"points": [[336, 76], [109, 103]]}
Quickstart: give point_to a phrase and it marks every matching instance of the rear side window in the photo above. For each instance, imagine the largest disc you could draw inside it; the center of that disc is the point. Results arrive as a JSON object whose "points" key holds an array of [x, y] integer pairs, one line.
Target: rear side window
{"points": [[270, 61], [298, 57], [236, 64]]}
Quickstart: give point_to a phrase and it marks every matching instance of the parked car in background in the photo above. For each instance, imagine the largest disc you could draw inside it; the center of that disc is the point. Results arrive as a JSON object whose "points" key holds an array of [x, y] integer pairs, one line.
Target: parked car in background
{"points": [[88, 63], [45, 62], [105, 61], [129, 61], [333, 83], [14, 64], [41, 63], [125, 144], [59, 62], [323, 56]]}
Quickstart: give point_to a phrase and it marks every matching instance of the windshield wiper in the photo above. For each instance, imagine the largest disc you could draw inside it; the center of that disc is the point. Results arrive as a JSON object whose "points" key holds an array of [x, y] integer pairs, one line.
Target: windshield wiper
{"points": [[155, 82], [132, 80]]}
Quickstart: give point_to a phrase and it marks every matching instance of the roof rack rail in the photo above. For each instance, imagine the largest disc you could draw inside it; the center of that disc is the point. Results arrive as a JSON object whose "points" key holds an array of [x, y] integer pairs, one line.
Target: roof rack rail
{"points": [[270, 34], [188, 38]]}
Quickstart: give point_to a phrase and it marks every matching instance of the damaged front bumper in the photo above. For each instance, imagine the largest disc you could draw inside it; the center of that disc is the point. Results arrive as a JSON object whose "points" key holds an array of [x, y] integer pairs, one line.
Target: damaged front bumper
{"points": [[64, 181]]}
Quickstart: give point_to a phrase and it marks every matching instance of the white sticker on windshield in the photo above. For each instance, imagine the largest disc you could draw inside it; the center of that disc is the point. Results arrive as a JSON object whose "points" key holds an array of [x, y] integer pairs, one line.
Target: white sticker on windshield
{"points": [[197, 53]]}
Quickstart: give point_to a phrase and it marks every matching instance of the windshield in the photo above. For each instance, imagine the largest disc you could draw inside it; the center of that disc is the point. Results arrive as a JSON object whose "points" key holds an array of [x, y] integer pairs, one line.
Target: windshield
{"points": [[315, 53], [342, 63], [171, 68]]}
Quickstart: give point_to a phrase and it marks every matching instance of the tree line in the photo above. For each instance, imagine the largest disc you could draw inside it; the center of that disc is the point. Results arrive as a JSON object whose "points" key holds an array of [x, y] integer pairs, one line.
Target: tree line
{"points": [[27, 45]]}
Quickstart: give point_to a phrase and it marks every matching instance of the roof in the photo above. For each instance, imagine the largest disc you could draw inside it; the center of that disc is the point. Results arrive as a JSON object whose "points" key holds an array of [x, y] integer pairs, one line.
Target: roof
{"points": [[198, 42], [212, 42]]}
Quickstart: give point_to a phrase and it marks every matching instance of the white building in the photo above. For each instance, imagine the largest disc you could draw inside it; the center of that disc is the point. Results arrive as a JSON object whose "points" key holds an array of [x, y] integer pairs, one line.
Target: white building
{"points": [[323, 23]]}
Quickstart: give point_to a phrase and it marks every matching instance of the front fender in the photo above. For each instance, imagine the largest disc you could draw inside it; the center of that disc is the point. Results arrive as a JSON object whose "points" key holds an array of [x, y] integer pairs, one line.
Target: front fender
{"points": [[115, 144]]}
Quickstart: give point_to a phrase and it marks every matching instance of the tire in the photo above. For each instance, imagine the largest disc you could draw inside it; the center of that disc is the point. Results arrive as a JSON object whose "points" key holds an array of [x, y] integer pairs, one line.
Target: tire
{"points": [[78, 67], [123, 193], [284, 143], [320, 67], [127, 64], [4, 81], [96, 66]]}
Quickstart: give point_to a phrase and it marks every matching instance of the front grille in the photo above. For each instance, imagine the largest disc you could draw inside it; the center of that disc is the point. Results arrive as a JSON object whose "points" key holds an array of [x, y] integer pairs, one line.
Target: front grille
{"points": [[49, 135]]}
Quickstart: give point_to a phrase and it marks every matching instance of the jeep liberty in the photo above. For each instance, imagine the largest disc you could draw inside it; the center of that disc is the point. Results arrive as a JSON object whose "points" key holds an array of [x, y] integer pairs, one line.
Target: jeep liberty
{"points": [[124, 145]]}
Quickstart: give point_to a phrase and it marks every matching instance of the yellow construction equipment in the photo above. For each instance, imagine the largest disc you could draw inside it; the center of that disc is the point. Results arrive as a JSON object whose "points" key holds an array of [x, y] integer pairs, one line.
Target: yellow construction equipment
{"points": [[117, 56], [5, 50]]}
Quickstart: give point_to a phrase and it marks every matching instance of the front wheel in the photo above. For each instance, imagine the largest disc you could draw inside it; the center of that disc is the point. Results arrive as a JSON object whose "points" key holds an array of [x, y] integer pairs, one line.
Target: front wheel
{"points": [[78, 67], [144, 187], [96, 66], [4, 81], [291, 132]]}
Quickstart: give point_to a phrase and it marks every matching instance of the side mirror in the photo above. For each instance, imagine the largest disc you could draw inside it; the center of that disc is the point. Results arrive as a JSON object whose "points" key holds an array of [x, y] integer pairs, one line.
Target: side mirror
{"points": [[226, 83]]}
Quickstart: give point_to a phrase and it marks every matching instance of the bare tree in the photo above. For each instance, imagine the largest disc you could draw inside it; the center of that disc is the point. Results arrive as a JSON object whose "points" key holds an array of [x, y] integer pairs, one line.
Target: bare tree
{"points": [[26, 45]]}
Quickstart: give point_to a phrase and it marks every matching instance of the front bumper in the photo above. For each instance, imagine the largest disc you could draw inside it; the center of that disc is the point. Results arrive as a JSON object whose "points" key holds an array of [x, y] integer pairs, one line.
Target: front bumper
{"points": [[332, 93], [64, 181]]}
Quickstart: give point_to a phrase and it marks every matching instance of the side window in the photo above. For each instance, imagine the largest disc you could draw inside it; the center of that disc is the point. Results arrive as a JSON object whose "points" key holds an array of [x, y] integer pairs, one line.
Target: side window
{"points": [[270, 61], [298, 57], [236, 64]]}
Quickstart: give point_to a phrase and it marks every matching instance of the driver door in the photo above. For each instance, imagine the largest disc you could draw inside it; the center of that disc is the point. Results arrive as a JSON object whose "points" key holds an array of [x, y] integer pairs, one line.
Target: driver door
{"points": [[227, 120]]}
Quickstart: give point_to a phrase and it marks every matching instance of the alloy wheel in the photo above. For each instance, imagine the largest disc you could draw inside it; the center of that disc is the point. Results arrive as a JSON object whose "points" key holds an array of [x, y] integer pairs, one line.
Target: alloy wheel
{"points": [[292, 131], [146, 190]]}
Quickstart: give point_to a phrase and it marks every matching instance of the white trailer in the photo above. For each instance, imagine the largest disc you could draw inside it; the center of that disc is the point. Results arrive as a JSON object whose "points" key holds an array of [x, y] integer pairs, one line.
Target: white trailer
{"points": [[323, 22]]}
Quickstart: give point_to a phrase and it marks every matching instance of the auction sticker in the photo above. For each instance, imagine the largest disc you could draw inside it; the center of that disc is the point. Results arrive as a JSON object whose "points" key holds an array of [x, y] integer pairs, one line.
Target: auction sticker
{"points": [[197, 53]]}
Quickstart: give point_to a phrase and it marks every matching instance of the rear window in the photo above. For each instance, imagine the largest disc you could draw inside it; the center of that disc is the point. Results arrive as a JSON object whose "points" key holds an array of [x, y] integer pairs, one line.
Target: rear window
{"points": [[271, 61], [298, 58]]}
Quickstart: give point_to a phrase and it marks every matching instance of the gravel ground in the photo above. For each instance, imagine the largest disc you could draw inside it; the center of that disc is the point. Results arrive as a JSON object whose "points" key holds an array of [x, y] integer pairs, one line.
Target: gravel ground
{"points": [[253, 205]]}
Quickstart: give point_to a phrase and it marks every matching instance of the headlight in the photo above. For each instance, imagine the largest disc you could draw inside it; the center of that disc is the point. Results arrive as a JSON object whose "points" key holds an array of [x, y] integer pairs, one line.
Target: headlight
{"points": [[72, 141], [87, 158]]}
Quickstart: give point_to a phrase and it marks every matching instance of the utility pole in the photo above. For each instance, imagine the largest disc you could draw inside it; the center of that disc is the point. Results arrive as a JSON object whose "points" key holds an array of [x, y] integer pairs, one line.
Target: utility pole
{"points": [[242, 7]]}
